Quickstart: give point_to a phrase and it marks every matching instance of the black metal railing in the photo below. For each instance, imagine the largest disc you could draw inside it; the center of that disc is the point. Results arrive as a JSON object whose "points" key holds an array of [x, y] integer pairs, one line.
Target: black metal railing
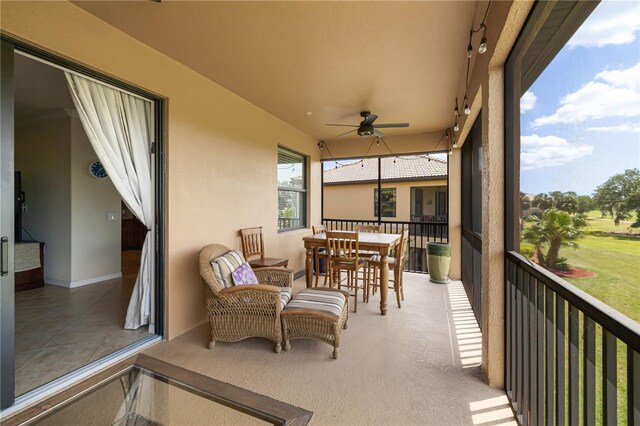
{"points": [[472, 270], [420, 233], [287, 222], [556, 338]]}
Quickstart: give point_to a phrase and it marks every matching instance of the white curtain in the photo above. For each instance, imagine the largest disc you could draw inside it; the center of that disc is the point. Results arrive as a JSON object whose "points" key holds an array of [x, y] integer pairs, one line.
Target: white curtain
{"points": [[118, 126]]}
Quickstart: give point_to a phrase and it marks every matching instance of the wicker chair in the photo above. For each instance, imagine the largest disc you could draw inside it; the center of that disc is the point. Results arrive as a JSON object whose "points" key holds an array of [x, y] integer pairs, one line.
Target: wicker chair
{"points": [[237, 313]]}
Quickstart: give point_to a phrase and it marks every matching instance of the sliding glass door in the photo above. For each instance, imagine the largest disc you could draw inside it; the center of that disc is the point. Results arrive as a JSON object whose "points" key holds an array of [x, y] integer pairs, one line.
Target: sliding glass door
{"points": [[7, 231], [83, 317]]}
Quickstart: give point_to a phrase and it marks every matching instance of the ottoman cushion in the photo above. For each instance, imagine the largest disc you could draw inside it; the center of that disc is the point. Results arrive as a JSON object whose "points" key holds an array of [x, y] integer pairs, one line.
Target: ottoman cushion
{"points": [[329, 303], [285, 296]]}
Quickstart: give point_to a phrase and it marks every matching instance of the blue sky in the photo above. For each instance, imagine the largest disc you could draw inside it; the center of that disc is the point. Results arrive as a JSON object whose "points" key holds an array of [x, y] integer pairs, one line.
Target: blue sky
{"points": [[580, 120]]}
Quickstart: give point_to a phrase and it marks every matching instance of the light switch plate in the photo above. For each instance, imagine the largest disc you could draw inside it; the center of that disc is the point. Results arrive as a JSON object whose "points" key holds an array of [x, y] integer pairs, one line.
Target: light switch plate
{"points": [[112, 216]]}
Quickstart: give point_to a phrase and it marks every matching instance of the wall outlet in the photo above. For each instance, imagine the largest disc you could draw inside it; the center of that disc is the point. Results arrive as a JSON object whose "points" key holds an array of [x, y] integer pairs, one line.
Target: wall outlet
{"points": [[112, 216]]}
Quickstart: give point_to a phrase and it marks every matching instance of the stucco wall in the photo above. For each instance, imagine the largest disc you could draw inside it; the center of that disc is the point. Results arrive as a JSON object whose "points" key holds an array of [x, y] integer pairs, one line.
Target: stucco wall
{"points": [[357, 201], [221, 171]]}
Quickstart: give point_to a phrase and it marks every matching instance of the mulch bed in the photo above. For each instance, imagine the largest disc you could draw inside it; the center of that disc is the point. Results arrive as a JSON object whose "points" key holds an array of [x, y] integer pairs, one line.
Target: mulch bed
{"points": [[571, 273], [574, 273]]}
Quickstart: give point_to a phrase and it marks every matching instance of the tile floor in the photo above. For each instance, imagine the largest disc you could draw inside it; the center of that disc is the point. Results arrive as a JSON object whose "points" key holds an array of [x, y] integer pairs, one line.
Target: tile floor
{"points": [[60, 329]]}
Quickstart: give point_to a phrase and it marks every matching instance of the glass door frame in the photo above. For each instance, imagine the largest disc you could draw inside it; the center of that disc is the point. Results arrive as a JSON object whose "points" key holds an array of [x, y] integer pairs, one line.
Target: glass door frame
{"points": [[7, 231], [11, 47]]}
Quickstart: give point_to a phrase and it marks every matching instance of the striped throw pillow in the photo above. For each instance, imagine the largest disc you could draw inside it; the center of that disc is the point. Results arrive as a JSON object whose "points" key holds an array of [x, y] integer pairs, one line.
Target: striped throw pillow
{"points": [[224, 266]]}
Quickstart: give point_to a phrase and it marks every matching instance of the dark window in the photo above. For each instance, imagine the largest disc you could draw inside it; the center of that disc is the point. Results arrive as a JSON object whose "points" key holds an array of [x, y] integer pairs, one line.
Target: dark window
{"points": [[292, 190], [388, 206]]}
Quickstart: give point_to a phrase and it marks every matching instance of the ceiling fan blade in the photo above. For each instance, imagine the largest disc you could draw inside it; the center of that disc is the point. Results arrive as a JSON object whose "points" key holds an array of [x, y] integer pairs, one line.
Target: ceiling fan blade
{"points": [[341, 125], [346, 133], [370, 119], [388, 125], [378, 133]]}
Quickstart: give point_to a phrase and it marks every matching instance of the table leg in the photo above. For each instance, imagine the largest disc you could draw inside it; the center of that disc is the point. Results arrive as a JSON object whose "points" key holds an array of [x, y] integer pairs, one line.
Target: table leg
{"points": [[384, 282], [309, 270]]}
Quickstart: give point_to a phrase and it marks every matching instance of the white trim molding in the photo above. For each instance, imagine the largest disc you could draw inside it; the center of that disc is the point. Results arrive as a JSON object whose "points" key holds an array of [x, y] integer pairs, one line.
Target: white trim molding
{"points": [[80, 283]]}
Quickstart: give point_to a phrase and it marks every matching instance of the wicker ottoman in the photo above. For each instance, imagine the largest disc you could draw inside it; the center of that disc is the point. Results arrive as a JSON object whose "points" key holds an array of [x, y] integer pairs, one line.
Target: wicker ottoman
{"points": [[316, 313]]}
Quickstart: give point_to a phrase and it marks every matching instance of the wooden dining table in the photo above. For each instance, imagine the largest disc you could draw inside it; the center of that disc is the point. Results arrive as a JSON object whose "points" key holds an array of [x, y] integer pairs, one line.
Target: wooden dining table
{"points": [[381, 243]]}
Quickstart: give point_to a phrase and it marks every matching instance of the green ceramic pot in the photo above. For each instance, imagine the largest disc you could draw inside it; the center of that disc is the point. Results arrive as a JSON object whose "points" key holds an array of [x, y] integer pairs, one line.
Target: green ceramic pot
{"points": [[439, 261]]}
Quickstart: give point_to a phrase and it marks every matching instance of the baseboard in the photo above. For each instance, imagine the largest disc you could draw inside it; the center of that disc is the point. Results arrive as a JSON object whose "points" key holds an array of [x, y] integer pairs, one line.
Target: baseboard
{"points": [[298, 274], [80, 283]]}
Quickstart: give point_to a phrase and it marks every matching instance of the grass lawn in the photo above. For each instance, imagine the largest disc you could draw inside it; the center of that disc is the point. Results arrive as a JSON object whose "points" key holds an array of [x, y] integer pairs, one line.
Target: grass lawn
{"points": [[615, 259]]}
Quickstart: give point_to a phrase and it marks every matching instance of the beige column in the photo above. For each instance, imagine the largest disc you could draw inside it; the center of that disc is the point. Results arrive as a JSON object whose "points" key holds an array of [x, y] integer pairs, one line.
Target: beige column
{"points": [[455, 213], [493, 227]]}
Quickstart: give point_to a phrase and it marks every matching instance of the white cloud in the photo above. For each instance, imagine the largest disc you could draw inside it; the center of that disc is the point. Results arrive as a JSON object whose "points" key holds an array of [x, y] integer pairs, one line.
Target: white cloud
{"points": [[620, 128], [539, 152], [527, 102], [613, 93], [611, 23]]}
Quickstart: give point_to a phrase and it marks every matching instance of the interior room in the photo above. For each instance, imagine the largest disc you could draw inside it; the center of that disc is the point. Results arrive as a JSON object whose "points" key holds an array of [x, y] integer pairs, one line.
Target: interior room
{"points": [[78, 245]]}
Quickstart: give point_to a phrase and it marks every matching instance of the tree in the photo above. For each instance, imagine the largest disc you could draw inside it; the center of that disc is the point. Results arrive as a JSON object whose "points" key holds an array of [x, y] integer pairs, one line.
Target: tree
{"points": [[565, 201], [525, 203], [554, 229], [585, 204], [619, 196], [542, 201]]}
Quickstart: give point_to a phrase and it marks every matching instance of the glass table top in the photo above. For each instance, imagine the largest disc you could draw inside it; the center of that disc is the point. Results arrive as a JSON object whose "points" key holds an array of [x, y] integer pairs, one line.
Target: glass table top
{"points": [[150, 392]]}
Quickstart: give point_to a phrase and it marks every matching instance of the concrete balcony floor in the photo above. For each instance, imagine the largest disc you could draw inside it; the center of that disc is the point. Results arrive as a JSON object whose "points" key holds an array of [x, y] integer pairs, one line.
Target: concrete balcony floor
{"points": [[416, 365]]}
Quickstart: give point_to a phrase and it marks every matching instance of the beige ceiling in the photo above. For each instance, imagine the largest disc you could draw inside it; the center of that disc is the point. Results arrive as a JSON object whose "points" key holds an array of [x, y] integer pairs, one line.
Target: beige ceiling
{"points": [[404, 61]]}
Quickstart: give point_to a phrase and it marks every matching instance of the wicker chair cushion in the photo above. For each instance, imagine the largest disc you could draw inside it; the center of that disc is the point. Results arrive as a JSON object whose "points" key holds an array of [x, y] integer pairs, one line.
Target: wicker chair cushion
{"points": [[224, 266], [286, 293], [329, 302]]}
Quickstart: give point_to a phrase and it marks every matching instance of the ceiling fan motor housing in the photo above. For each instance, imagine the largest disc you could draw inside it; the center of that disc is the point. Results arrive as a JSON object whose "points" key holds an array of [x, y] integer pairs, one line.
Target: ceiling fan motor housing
{"points": [[365, 130]]}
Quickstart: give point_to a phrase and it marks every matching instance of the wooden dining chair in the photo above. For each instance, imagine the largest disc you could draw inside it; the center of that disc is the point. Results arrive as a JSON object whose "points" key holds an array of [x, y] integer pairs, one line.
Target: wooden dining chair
{"points": [[320, 253], [342, 249], [366, 254], [396, 264], [376, 229], [253, 245]]}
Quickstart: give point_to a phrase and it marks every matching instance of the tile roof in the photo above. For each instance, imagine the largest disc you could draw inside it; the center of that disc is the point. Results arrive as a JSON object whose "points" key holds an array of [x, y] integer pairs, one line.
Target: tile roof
{"points": [[406, 167]]}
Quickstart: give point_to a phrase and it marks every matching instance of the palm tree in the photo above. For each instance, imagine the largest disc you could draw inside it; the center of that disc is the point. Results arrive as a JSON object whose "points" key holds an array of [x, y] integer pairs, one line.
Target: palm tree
{"points": [[542, 201], [554, 229]]}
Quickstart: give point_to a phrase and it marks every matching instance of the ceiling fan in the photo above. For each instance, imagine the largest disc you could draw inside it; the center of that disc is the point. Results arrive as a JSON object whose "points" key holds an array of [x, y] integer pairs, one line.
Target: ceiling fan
{"points": [[366, 126]]}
